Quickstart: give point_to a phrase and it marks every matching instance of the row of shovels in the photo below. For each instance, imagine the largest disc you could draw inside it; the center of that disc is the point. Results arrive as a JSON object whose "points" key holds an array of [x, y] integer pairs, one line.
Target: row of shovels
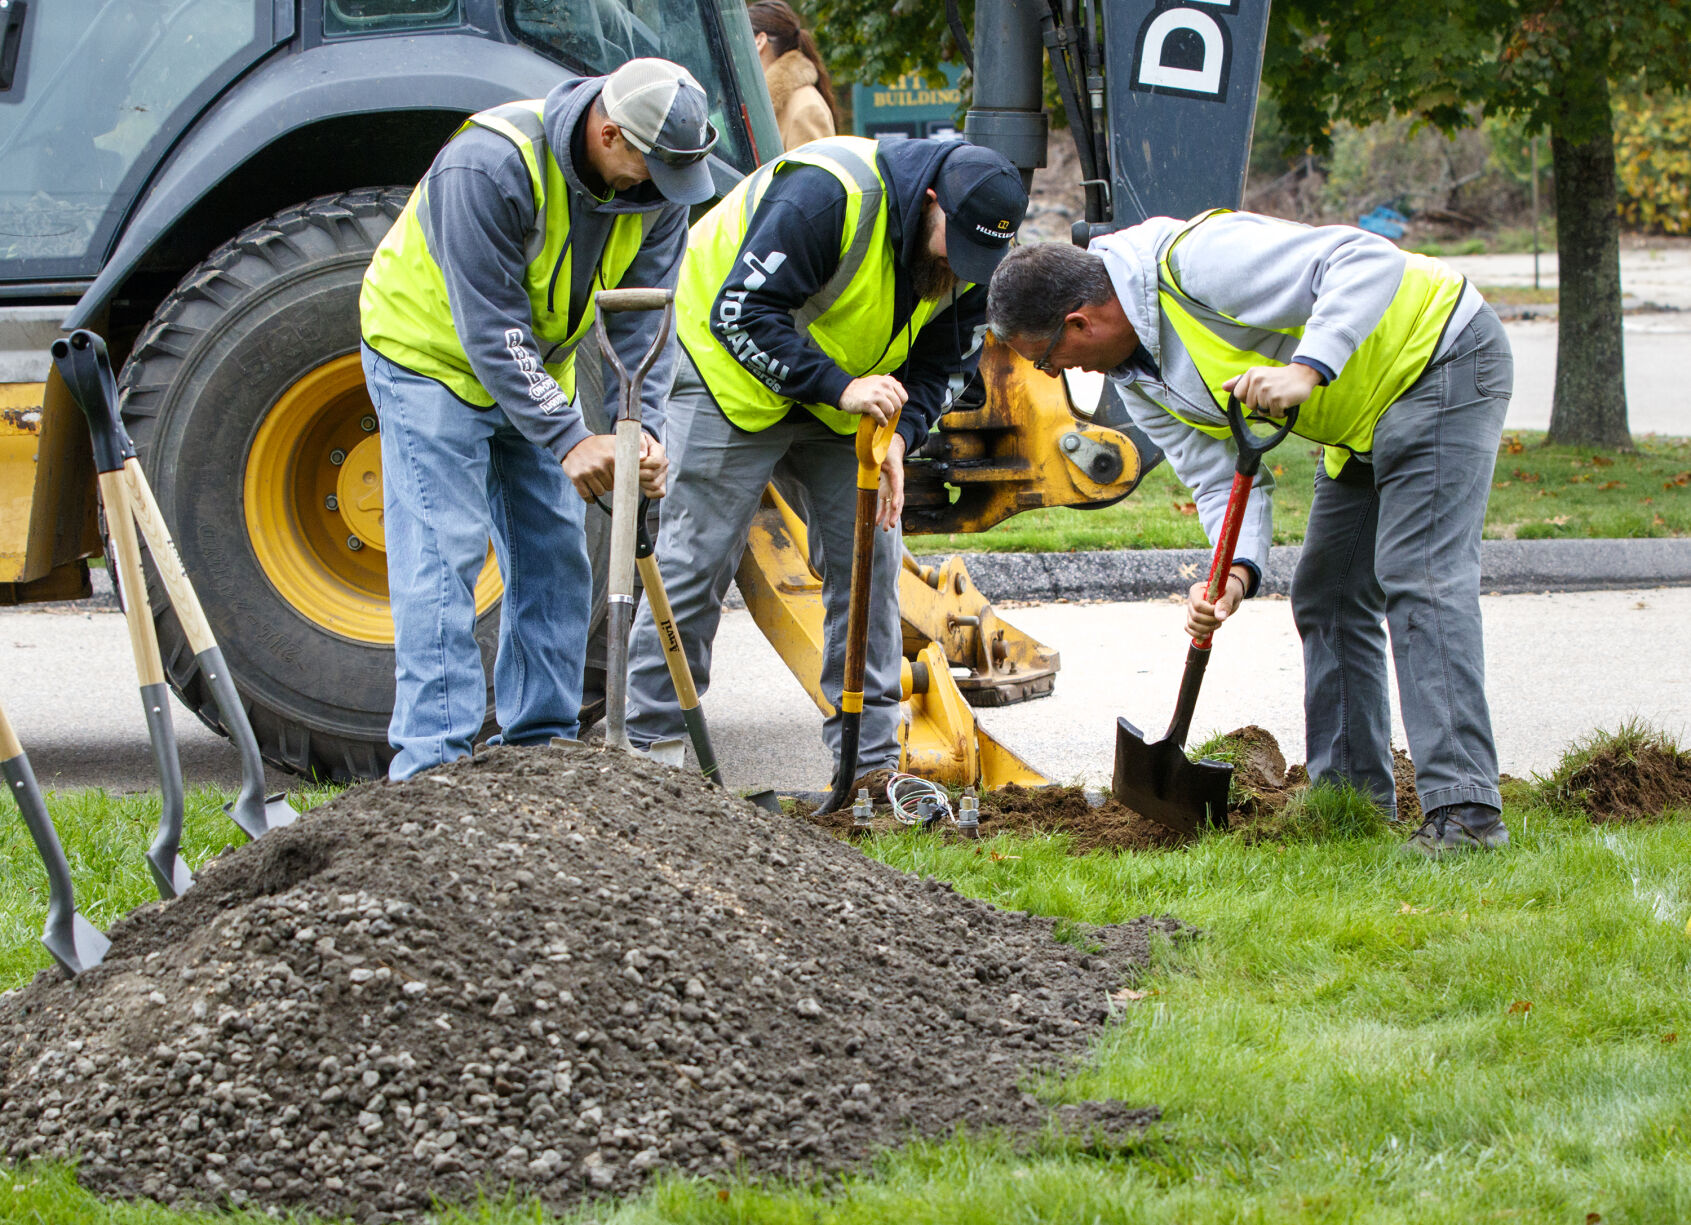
{"points": [[129, 504]]}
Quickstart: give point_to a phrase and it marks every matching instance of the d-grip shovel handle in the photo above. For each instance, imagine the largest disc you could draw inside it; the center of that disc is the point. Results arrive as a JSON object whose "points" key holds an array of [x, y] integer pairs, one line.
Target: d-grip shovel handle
{"points": [[1251, 450], [86, 368], [615, 301]]}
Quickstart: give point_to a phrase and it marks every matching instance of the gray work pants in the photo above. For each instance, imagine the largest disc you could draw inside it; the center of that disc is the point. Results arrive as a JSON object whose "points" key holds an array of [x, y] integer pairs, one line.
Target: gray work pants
{"points": [[717, 477], [1402, 543]]}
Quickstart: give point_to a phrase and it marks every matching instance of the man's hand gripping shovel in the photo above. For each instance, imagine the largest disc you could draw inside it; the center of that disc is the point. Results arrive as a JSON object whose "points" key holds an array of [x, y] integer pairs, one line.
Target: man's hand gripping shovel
{"points": [[1158, 780], [873, 443], [83, 364]]}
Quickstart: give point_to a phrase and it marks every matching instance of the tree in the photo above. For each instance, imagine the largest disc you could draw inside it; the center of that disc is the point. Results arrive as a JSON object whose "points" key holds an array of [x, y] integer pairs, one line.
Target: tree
{"points": [[1549, 62]]}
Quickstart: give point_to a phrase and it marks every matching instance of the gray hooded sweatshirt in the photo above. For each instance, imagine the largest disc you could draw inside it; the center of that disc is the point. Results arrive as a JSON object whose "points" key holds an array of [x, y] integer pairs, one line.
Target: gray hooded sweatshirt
{"points": [[478, 221], [1334, 281]]}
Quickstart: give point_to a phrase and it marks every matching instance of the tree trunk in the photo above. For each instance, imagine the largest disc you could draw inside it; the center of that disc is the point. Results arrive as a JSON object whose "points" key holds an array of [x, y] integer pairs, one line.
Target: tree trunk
{"points": [[1589, 408]]}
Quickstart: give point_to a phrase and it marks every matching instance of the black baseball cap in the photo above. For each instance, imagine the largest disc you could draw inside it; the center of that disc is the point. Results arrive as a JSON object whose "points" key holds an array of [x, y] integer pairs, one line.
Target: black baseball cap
{"points": [[984, 203]]}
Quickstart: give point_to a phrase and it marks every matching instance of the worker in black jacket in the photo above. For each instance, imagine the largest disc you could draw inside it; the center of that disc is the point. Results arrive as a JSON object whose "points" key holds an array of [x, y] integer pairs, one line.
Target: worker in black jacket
{"points": [[846, 278]]}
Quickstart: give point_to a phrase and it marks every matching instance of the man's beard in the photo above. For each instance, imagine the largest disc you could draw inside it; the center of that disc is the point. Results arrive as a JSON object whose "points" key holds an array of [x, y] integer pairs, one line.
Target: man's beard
{"points": [[931, 275]]}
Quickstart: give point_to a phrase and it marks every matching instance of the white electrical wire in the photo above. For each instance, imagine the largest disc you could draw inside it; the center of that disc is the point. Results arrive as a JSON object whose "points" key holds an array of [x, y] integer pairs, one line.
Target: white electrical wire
{"points": [[905, 792]]}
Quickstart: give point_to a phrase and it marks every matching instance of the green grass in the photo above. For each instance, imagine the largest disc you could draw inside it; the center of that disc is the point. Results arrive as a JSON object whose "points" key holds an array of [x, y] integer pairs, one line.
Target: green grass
{"points": [[1504, 240], [1520, 295], [1358, 1035], [1538, 492]]}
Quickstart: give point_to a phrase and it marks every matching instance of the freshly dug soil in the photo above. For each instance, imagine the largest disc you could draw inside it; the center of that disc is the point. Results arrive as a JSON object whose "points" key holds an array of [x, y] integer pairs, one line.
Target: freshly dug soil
{"points": [[1620, 785], [1408, 801], [558, 970], [1262, 787]]}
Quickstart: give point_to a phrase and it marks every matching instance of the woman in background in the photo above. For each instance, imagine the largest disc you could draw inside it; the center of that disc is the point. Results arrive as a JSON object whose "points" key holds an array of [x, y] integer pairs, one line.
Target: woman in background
{"points": [[792, 68]]}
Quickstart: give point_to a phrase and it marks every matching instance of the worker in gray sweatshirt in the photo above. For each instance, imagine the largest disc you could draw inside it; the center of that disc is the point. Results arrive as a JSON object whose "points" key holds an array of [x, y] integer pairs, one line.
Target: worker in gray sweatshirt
{"points": [[1400, 369], [472, 312]]}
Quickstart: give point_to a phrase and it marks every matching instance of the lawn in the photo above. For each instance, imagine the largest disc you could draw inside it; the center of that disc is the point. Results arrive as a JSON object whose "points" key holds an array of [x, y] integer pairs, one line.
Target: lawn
{"points": [[1538, 492], [1357, 1035]]}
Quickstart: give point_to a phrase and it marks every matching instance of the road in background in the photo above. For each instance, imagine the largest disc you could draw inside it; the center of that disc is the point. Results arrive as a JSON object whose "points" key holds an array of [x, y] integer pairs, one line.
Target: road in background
{"points": [[1656, 341], [1558, 667]]}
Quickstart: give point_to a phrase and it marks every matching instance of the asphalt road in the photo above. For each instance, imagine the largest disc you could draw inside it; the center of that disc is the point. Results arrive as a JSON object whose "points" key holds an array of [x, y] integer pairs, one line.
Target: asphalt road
{"points": [[1559, 666]]}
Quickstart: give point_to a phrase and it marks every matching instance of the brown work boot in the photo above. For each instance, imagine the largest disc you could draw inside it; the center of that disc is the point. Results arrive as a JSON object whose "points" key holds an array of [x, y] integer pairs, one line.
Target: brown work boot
{"points": [[1460, 827]]}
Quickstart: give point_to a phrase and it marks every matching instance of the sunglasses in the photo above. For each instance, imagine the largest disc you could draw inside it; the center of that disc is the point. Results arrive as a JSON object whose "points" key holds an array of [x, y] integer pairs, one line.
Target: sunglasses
{"points": [[675, 157]]}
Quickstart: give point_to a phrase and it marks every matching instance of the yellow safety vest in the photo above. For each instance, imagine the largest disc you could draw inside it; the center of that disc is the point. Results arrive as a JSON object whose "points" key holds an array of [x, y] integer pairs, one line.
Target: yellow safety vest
{"points": [[404, 310], [1342, 415], [848, 318]]}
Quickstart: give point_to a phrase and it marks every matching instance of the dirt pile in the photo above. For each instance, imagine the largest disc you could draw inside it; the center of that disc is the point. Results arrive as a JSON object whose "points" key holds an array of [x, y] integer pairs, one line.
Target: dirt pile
{"points": [[1628, 780], [560, 970]]}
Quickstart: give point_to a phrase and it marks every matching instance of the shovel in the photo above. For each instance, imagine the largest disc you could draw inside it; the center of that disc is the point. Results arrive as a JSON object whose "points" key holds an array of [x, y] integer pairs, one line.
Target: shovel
{"points": [[680, 675], [627, 510], [74, 942], [1158, 780], [873, 442], [83, 364]]}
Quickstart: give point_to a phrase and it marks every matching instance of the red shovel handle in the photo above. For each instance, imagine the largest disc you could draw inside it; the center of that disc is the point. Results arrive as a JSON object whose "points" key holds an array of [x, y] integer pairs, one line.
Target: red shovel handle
{"points": [[1230, 525], [1251, 450]]}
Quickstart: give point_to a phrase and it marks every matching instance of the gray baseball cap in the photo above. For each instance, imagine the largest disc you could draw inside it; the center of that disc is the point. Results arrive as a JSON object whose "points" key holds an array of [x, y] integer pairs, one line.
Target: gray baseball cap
{"points": [[664, 113]]}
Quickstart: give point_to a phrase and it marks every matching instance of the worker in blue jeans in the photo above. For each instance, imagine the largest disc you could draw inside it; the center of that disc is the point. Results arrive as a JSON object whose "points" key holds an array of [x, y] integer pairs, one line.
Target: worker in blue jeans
{"points": [[471, 313]]}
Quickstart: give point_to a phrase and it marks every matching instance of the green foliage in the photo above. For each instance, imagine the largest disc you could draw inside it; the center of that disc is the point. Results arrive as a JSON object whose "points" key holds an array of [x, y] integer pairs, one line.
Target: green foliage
{"points": [[869, 40], [1653, 162], [1538, 60]]}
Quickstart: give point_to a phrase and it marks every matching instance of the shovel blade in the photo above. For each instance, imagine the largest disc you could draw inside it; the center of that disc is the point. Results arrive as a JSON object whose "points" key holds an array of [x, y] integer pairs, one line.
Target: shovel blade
{"points": [[769, 801], [672, 752], [1159, 781], [170, 874], [258, 814], [77, 945]]}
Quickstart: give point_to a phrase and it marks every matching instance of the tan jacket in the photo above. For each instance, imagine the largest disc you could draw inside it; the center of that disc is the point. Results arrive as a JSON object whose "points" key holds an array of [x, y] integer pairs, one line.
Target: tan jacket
{"points": [[800, 110]]}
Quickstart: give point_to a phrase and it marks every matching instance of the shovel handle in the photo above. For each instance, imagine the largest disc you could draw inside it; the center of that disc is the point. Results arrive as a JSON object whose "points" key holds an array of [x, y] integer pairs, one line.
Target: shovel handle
{"points": [[86, 368], [873, 440], [1251, 450], [630, 382]]}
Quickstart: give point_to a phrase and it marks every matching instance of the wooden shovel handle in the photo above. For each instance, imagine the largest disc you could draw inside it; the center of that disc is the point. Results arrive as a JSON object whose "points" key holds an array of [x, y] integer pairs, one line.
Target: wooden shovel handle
{"points": [[126, 549], [145, 508], [9, 746]]}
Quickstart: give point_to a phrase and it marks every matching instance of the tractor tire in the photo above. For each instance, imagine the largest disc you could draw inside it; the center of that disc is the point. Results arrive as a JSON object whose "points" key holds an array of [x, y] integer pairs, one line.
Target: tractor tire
{"points": [[245, 397]]}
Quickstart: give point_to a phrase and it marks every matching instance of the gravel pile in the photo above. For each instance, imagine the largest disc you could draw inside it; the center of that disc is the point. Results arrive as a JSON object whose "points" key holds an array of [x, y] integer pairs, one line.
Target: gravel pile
{"points": [[559, 969]]}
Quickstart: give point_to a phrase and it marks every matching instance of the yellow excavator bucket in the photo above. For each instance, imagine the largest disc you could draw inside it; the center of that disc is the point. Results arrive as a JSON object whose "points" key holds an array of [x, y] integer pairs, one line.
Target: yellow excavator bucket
{"points": [[939, 735], [1019, 448]]}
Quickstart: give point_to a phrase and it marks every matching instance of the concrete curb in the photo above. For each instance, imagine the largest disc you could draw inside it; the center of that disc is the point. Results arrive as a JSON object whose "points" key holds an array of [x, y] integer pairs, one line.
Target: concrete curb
{"points": [[1506, 567]]}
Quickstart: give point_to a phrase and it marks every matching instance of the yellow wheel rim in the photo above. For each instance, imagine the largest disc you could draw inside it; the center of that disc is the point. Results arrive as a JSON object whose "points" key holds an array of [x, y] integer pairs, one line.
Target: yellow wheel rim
{"points": [[313, 498]]}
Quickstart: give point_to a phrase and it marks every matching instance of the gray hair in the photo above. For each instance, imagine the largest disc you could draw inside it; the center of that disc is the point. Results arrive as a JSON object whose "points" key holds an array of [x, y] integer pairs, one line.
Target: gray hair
{"points": [[1036, 286]]}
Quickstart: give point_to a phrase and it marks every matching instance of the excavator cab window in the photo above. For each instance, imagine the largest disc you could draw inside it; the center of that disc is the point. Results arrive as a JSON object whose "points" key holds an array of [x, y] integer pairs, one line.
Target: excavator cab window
{"points": [[342, 17], [99, 90], [598, 36]]}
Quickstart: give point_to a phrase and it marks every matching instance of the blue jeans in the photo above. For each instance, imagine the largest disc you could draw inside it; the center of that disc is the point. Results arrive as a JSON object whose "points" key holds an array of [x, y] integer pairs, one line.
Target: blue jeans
{"points": [[453, 476]]}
